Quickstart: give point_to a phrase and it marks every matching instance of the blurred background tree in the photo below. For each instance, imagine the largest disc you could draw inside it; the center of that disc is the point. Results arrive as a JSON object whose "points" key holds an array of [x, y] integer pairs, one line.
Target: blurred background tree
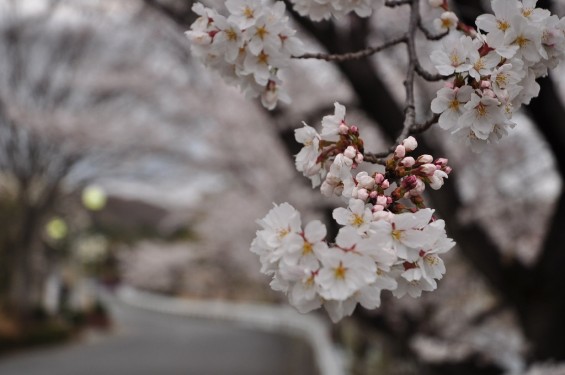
{"points": [[73, 111]]}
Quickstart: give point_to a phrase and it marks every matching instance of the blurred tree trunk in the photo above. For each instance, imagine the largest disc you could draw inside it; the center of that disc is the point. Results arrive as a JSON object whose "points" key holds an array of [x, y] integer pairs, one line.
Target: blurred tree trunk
{"points": [[538, 297], [26, 276]]}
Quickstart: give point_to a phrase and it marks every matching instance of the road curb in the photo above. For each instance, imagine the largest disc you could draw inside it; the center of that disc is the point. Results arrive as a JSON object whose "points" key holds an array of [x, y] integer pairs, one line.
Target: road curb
{"points": [[265, 317]]}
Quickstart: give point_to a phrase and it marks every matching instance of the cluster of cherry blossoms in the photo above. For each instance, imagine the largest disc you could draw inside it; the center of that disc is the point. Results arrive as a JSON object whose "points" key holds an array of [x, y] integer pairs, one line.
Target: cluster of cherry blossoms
{"points": [[248, 48], [388, 240], [318, 10], [494, 73], [329, 158]]}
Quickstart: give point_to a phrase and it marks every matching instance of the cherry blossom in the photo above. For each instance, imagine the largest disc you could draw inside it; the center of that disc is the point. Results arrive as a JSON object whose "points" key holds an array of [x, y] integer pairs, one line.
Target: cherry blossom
{"points": [[449, 103], [248, 48]]}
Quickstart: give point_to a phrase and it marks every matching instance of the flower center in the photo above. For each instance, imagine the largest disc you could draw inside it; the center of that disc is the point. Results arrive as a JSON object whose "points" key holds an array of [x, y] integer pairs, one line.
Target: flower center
{"points": [[454, 58], [454, 104], [446, 23], [310, 281], [357, 220], [479, 64], [282, 233], [396, 234], [339, 271], [248, 13], [501, 80], [263, 58], [503, 25], [521, 41], [307, 248], [481, 110], [231, 34], [432, 260], [261, 32]]}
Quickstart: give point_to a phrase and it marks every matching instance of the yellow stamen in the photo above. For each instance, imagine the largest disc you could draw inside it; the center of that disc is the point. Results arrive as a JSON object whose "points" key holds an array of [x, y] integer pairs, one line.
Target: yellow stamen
{"points": [[432, 260], [481, 110], [521, 41], [454, 58], [479, 64], [339, 272], [357, 220], [503, 25], [310, 281], [263, 58], [307, 248], [446, 23], [454, 104], [231, 34], [248, 13], [261, 32], [282, 233], [501, 80]]}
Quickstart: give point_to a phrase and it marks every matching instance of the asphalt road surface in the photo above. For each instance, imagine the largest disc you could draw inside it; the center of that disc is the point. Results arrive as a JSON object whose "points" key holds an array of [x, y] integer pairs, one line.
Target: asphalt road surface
{"points": [[150, 343]]}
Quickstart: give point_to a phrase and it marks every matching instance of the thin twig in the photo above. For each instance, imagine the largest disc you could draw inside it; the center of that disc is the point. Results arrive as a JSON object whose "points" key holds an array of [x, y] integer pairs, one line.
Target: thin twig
{"points": [[410, 109], [410, 127], [396, 3], [354, 55], [430, 77]]}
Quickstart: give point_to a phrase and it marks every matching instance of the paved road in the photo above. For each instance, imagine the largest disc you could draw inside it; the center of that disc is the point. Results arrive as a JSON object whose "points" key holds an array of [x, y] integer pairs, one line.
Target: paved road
{"points": [[149, 343]]}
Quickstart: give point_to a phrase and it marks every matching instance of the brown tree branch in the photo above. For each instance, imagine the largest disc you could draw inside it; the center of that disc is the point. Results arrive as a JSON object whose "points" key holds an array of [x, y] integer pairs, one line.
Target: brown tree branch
{"points": [[353, 55]]}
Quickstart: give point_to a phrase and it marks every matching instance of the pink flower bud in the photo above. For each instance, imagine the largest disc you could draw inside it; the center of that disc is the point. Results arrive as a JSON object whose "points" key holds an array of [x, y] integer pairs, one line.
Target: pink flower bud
{"points": [[373, 194], [425, 159], [363, 194], [427, 169], [381, 200], [379, 178], [377, 208], [418, 189], [400, 152], [385, 184], [408, 161], [388, 200], [359, 158], [441, 162], [447, 170], [354, 129], [409, 182], [410, 144], [485, 84], [365, 181], [343, 129], [354, 192], [350, 152]]}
